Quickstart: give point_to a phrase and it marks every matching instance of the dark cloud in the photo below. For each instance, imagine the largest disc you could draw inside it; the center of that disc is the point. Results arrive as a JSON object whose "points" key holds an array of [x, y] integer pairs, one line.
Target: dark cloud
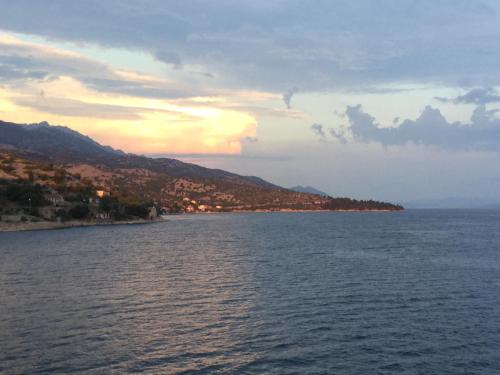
{"points": [[475, 96], [170, 58], [339, 135], [321, 133], [31, 59], [287, 97], [318, 130], [10, 73], [203, 74], [251, 139], [482, 133], [20, 62], [14, 68], [268, 44]]}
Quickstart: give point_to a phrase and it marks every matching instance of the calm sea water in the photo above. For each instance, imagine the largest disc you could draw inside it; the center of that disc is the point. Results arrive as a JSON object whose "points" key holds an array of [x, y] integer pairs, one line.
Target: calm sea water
{"points": [[416, 292]]}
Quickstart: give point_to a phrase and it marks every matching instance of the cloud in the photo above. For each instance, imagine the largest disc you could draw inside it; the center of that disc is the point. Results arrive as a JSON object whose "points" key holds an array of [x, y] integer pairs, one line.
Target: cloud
{"points": [[287, 97], [81, 108], [251, 139], [133, 111], [339, 135], [475, 96], [12, 72], [169, 58], [431, 128], [39, 61], [77, 108], [318, 130], [159, 89], [267, 45], [263, 111], [22, 61]]}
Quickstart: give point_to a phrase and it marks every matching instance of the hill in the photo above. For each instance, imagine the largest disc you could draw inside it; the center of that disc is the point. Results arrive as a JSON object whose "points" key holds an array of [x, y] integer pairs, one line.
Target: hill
{"points": [[170, 184], [308, 189], [59, 144]]}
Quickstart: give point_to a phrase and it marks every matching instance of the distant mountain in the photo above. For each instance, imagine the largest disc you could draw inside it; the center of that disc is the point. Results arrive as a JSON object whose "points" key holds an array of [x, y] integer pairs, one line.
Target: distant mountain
{"points": [[59, 144], [164, 180], [308, 189]]}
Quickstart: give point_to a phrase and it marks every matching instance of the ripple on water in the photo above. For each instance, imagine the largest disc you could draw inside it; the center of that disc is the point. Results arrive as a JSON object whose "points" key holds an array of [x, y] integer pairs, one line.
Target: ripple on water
{"points": [[351, 293]]}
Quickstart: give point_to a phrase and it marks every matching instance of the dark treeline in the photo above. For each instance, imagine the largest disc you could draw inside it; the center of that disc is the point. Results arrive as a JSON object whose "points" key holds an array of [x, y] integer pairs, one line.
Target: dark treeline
{"points": [[362, 205]]}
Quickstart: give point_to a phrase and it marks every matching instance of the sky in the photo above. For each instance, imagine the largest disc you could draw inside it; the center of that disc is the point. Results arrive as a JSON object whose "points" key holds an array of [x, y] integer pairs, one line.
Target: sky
{"points": [[389, 99]]}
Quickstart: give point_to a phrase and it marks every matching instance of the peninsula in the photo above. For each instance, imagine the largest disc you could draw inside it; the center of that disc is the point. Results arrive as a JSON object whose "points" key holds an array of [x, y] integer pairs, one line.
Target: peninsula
{"points": [[51, 174]]}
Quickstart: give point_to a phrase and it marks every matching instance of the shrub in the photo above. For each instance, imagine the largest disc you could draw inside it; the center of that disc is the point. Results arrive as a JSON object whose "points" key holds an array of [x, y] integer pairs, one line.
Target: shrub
{"points": [[62, 214], [23, 192], [79, 212], [137, 210]]}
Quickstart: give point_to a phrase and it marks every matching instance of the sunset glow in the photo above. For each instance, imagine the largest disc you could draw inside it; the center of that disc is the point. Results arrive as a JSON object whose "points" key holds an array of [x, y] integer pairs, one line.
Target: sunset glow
{"points": [[137, 124]]}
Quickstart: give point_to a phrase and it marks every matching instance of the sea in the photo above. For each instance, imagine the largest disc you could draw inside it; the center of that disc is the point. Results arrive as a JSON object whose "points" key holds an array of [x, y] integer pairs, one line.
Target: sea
{"points": [[413, 292]]}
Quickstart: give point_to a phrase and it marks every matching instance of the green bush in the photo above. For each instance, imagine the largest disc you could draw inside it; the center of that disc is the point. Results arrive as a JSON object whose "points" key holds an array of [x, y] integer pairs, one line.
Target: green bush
{"points": [[108, 204], [23, 192], [137, 210], [62, 214], [79, 212]]}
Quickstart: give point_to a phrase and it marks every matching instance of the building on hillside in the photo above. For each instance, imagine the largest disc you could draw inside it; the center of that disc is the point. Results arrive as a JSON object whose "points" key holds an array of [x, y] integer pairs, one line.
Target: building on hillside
{"points": [[94, 200], [55, 198], [102, 216], [102, 193]]}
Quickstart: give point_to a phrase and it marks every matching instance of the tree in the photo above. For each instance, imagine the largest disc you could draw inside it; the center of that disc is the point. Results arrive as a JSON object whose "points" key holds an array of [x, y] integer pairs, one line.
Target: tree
{"points": [[108, 204], [59, 176], [26, 194], [79, 212]]}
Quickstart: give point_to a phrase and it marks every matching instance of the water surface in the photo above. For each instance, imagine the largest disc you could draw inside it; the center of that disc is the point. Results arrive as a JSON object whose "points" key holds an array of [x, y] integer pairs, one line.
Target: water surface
{"points": [[416, 292]]}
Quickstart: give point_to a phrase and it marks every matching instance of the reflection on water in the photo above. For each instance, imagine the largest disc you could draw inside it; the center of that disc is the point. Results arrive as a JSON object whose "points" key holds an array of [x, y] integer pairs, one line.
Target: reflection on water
{"points": [[346, 293]]}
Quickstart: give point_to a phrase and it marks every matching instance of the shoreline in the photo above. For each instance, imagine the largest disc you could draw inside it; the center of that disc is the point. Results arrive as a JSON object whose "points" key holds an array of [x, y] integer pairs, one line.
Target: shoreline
{"points": [[51, 225], [291, 210]]}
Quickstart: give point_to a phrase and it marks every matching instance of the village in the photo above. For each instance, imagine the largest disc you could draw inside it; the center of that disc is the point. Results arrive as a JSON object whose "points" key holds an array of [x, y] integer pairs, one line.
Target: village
{"points": [[34, 191], [31, 193], [36, 203]]}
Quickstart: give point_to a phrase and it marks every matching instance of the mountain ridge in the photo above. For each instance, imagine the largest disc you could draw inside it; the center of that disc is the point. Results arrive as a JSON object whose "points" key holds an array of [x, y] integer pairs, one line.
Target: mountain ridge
{"points": [[47, 141], [164, 180], [308, 189]]}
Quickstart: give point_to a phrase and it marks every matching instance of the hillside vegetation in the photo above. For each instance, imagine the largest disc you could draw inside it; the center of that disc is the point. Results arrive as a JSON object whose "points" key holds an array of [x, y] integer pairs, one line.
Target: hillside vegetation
{"points": [[55, 173]]}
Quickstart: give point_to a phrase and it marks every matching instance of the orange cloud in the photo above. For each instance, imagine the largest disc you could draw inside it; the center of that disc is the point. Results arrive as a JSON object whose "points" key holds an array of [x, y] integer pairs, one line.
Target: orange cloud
{"points": [[134, 123]]}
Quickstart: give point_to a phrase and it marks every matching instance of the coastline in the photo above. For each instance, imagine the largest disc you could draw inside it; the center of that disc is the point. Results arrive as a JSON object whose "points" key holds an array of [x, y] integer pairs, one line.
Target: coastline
{"points": [[292, 210], [51, 225]]}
